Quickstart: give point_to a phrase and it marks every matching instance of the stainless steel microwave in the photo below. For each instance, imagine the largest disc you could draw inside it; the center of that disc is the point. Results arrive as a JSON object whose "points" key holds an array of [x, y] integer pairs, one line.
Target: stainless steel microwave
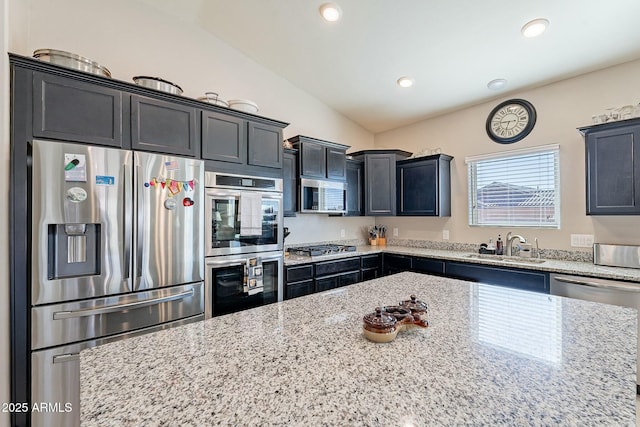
{"points": [[319, 196]]}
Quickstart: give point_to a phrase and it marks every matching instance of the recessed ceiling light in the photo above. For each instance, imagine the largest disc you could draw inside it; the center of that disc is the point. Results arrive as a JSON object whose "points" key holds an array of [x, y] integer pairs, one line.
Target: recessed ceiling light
{"points": [[406, 81], [497, 84], [535, 28], [330, 12]]}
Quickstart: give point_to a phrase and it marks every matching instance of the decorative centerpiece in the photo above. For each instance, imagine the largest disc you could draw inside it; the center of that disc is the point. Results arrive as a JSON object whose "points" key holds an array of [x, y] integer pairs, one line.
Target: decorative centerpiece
{"points": [[386, 322]]}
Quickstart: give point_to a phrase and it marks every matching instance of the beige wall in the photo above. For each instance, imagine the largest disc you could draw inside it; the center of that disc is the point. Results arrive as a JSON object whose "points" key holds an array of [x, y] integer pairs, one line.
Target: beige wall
{"points": [[561, 108]]}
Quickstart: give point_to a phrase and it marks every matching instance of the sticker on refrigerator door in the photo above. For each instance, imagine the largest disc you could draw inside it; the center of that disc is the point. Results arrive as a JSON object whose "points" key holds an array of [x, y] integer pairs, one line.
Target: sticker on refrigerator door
{"points": [[76, 194], [187, 201], [172, 165], [105, 180], [75, 168]]}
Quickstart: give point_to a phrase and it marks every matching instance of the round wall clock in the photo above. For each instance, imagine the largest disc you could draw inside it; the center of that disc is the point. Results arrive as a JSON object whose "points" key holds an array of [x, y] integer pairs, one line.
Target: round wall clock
{"points": [[510, 121]]}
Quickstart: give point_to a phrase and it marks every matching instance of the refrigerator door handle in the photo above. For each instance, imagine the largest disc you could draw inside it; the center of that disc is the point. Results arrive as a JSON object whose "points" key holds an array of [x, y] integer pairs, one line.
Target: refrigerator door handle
{"points": [[68, 357], [139, 227], [105, 309], [127, 221]]}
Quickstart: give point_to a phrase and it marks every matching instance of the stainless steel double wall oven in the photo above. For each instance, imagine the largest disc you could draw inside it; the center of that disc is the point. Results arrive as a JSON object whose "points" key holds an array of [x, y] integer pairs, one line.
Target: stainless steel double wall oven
{"points": [[243, 242], [117, 251]]}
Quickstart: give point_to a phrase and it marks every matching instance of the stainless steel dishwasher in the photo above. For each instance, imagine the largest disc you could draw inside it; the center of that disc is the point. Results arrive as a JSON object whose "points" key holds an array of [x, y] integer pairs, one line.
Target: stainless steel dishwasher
{"points": [[625, 294]]}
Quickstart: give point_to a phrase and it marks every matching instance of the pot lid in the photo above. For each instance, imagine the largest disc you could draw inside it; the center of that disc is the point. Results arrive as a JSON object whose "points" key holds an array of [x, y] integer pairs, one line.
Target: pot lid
{"points": [[414, 305], [379, 319], [158, 79], [399, 312]]}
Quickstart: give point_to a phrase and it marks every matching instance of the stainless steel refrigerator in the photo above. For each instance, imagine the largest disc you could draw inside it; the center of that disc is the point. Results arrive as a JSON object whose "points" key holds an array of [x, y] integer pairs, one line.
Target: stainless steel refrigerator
{"points": [[117, 251]]}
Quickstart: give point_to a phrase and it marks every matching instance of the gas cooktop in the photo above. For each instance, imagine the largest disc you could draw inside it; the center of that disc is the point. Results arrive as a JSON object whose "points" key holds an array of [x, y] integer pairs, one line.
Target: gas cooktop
{"points": [[316, 250]]}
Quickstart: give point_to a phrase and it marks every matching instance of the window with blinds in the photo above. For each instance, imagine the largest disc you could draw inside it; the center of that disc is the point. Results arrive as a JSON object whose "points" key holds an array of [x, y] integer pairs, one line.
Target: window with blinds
{"points": [[515, 188]]}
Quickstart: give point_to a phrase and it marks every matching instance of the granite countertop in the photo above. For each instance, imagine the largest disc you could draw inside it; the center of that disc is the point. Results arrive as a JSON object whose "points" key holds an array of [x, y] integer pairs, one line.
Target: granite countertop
{"points": [[550, 265], [490, 356]]}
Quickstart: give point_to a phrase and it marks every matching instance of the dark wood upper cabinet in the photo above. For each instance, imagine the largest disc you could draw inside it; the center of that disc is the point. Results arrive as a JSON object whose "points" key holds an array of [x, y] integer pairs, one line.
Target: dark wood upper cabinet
{"points": [[336, 163], [290, 178], [424, 186], [163, 127], [320, 159], [72, 110], [264, 145], [224, 138], [380, 180], [355, 188], [613, 168]]}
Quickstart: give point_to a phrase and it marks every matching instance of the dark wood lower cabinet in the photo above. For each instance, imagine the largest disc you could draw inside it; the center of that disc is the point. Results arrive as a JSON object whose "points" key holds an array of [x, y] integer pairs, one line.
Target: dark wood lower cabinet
{"points": [[322, 276], [529, 280]]}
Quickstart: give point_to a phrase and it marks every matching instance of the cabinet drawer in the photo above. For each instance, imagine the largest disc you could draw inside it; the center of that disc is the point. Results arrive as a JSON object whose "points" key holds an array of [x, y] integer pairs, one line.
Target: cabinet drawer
{"points": [[299, 272], [331, 282], [332, 267], [298, 289], [349, 278], [371, 261], [426, 265], [401, 262]]}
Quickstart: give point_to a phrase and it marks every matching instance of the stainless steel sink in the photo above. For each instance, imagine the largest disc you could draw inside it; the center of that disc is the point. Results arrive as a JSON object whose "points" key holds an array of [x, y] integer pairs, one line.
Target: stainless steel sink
{"points": [[513, 259]]}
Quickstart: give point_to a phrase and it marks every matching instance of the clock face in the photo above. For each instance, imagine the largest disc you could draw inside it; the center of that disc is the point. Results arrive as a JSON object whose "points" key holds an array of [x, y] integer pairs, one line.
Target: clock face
{"points": [[511, 121]]}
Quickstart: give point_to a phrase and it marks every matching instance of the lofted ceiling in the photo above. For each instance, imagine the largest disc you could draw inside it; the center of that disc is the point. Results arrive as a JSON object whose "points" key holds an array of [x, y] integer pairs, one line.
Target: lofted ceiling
{"points": [[452, 48]]}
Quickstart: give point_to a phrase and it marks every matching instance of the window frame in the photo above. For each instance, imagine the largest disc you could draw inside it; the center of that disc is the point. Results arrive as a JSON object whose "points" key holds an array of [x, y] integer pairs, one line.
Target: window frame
{"points": [[472, 197]]}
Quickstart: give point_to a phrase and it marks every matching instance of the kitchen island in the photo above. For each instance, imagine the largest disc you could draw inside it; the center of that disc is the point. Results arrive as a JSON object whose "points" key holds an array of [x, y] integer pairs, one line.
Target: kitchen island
{"points": [[490, 356]]}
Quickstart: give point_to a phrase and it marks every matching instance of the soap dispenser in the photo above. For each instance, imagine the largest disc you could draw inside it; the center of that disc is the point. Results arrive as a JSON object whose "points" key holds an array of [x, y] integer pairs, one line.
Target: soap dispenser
{"points": [[499, 250]]}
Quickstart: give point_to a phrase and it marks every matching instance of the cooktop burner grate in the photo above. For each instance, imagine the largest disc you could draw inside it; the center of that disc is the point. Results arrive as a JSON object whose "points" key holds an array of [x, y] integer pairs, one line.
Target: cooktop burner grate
{"points": [[316, 250]]}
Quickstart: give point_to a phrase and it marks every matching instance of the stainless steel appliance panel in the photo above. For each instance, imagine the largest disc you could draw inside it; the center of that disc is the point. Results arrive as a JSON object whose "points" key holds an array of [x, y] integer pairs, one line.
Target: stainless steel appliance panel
{"points": [[81, 222], [232, 267], [169, 242], [320, 196], [58, 324], [55, 376], [616, 255], [223, 235], [604, 291]]}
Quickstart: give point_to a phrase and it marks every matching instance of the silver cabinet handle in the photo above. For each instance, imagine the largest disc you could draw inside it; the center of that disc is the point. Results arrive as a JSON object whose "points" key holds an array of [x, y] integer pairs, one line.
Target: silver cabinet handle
{"points": [[64, 358], [127, 215], [105, 309], [619, 286]]}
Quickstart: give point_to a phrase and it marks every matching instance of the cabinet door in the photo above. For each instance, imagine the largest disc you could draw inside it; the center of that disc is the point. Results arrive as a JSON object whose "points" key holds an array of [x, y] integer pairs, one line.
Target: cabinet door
{"points": [[392, 263], [312, 160], [426, 265], [513, 278], [380, 184], [298, 289], [163, 127], [71, 110], [613, 171], [355, 188], [418, 188], [264, 146], [336, 163], [290, 190], [224, 138]]}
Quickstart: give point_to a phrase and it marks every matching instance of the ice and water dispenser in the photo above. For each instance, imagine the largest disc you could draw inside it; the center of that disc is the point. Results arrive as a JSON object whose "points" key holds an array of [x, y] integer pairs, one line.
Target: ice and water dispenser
{"points": [[73, 250]]}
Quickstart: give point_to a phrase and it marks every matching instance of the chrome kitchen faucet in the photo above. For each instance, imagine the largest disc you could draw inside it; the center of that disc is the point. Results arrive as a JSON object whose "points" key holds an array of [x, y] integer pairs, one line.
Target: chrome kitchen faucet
{"points": [[509, 242]]}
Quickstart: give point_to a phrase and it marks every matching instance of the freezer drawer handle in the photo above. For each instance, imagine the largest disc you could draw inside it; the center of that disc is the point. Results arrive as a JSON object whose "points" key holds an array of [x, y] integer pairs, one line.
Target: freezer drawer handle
{"points": [[64, 358], [618, 286], [119, 307]]}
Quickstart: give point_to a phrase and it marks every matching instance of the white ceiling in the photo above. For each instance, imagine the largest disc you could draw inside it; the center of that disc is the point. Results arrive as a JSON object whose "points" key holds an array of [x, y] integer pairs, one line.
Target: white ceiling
{"points": [[452, 48]]}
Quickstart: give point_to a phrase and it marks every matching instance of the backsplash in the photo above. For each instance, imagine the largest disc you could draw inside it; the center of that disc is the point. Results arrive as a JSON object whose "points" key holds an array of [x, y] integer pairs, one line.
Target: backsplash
{"points": [[563, 255]]}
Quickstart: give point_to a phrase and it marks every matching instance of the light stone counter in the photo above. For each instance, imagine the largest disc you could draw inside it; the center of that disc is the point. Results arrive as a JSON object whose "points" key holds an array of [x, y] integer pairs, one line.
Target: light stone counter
{"points": [[549, 265], [491, 356]]}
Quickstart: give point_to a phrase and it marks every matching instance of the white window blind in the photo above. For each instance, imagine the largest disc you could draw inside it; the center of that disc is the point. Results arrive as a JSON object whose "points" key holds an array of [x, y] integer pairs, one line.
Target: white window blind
{"points": [[515, 188]]}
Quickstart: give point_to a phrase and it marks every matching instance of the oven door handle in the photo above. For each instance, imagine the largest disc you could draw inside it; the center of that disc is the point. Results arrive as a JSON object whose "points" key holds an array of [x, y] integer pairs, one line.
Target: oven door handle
{"points": [[105, 309], [618, 286], [224, 263]]}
